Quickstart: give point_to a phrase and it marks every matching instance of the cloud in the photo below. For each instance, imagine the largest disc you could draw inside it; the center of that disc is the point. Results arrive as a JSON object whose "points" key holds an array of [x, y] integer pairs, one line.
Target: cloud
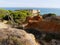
{"points": [[30, 3], [6, 4], [17, 4]]}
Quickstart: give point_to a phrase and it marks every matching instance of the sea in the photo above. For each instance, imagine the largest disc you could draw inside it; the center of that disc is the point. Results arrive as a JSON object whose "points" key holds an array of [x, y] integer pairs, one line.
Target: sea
{"points": [[42, 10]]}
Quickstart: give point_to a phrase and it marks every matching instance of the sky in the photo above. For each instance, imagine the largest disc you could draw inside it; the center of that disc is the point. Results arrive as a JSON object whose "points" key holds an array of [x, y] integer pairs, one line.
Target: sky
{"points": [[30, 3]]}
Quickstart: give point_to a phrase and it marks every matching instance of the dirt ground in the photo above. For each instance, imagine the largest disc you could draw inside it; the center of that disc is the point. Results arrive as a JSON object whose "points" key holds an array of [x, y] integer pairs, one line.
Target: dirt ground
{"points": [[4, 25]]}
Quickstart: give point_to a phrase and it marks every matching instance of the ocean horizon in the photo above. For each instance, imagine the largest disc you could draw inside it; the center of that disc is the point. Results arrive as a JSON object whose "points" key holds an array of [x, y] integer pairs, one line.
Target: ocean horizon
{"points": [[42, 10]]}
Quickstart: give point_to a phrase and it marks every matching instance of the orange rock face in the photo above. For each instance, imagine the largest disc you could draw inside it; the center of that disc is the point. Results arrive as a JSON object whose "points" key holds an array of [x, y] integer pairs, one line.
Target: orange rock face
{"points": [[47, 26], [33, 19]]}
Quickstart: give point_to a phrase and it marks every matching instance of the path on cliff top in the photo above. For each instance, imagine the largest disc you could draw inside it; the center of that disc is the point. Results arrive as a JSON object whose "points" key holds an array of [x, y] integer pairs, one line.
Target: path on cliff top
{"points": [[3, 25]]}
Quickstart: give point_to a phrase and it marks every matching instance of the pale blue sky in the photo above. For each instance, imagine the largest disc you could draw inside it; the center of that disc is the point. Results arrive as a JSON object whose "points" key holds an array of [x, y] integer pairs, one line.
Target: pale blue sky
{"points": [[30, 3]]}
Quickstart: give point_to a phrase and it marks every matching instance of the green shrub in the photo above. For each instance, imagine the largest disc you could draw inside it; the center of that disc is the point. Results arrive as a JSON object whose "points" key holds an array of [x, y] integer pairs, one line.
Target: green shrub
{"points": [[49, 15]]}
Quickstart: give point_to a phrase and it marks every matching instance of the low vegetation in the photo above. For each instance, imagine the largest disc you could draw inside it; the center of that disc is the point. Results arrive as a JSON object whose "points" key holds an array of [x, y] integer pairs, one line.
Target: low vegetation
{"points": [[17, 16], [49, 15]]}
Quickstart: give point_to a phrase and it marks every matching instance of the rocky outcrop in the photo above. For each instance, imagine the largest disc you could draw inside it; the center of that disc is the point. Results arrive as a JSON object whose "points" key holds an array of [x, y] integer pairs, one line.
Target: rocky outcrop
{"points": [[14, 36], [47, 32], [45, 26]]}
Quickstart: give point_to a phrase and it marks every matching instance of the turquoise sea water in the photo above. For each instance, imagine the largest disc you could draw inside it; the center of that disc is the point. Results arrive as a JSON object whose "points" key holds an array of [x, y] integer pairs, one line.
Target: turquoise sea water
{"points": [[42, 10]]}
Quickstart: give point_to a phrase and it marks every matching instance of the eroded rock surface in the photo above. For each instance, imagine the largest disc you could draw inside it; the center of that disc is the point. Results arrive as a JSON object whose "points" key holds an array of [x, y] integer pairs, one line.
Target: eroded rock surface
{"points": [[14, 36], [42, 25]]}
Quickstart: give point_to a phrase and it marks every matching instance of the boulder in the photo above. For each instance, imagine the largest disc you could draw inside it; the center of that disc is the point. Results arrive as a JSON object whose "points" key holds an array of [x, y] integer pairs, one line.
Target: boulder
{"points": [[14, 36]]}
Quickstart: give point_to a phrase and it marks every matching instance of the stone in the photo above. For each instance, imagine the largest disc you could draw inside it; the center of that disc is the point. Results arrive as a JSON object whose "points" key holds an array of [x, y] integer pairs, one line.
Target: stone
{"points": [[14, 36]]}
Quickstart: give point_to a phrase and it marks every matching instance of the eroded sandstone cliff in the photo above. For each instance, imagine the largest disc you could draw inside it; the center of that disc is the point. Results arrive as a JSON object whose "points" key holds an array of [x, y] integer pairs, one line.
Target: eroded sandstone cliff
{"points": [[14, 36], [40, 24]]}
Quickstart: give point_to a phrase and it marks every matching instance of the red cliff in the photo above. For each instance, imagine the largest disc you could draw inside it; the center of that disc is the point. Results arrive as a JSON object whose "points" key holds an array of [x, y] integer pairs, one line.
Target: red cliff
{"points": [[38, 23]]}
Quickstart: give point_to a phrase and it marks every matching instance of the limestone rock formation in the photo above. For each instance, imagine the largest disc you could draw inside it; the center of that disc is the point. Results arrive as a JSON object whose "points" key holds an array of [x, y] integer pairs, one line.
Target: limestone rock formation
{"points": [[14, 36], [42, 25]]}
